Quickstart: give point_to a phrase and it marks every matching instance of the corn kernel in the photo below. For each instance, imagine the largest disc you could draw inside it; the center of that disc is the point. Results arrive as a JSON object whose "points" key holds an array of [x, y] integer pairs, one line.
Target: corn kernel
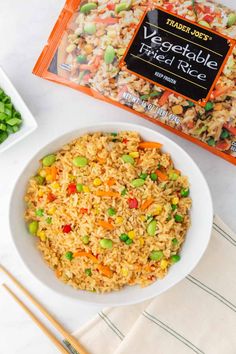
{"points": [[51, 211], [86, 189], [134, 154], [124, 271], [177, 109], [164, 264], [42, 173], [141, 241], [97, 182], [72, 177], [55, 185], [158, 210], [143, 217], [40, 193], [70, 48], [175, 200], [41, 235], [119, 220], [131, 234]]}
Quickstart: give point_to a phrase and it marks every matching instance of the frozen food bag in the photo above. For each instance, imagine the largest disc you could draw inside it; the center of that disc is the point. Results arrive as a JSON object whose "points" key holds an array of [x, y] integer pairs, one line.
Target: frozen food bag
{"points": [[171, 62]]}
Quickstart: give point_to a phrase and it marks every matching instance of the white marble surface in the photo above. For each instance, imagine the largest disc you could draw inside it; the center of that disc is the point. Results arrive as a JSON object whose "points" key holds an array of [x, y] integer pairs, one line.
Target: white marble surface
{"points": [[24, 28]]}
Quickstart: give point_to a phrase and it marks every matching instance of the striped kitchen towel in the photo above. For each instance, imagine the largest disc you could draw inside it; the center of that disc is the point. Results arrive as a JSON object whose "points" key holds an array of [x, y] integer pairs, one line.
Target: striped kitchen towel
{"points": [[198, 315]]}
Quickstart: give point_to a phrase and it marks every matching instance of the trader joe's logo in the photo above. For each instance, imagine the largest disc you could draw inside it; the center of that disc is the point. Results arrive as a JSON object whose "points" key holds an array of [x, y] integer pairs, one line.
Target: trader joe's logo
{"points": [[177, 54]]}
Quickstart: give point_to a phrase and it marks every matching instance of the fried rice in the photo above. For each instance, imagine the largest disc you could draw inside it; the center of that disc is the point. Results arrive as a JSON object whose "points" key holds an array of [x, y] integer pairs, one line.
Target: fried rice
{"points": [[108, 210]]}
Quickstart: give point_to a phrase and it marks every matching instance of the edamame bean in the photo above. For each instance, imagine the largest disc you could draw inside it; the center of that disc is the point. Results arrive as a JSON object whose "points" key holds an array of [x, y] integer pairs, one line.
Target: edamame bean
{"points": [[33, 227], [138, 182], [109, 54], [39, 180], [231, 19], [79, 187], [151, 229], [49, 160], [128, 159], [86, 8], [121, 7], [80, 161], [106, 243], [85, 240], [81, 59], [90, 28], [156, 255], [208, 107]]}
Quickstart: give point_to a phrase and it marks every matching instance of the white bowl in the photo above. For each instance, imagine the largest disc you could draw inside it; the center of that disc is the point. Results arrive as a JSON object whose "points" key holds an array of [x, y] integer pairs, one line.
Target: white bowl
{"points": [[28, 122], [194, 246]]}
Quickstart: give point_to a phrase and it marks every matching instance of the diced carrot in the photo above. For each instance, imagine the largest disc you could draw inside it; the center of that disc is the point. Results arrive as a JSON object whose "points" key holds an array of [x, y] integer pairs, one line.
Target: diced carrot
{"points": [[231, 129], [51, 173], [149, 145], [57, 273], [106, 21], [220, 90], [101, 161], [107, 194], [161, 175], [105, 270], [50, 197], [164, 97], [86, 254], [147, 203], [111, 181], [106, 225]]}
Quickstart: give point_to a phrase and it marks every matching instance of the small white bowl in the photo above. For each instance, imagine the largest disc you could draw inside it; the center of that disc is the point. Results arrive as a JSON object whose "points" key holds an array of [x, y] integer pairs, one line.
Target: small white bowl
{"points": [[28, 122], [194, 246]]}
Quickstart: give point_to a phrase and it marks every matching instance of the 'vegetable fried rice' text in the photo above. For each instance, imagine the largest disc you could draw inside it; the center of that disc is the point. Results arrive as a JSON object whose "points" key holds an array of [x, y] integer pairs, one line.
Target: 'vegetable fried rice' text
{"points": [[108, 210]]}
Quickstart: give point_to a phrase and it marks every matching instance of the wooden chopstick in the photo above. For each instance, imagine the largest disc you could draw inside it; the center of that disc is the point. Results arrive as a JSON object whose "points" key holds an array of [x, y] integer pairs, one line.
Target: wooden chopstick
{"points": [[36, 320], [75, 344]]}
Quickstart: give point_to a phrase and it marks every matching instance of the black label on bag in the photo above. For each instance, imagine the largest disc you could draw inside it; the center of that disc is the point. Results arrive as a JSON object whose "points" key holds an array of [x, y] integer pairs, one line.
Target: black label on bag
{"points": [[177, 54]]}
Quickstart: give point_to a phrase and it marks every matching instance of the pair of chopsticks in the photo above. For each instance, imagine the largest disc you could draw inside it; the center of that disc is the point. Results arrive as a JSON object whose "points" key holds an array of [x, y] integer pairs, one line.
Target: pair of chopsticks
{"points": [[69, 338]]}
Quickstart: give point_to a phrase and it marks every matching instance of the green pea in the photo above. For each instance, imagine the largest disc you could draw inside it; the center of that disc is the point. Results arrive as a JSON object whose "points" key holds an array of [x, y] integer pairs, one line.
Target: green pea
{"points": [[190, 104], [88, 272], [143, 175], [151, 229], [168, 217], [49, 160], [204, 23], [129, 241], [211, 142], [111, 211], [173, 207], [85, 240], [124, 237], [128, 159], [156, 255], [153, 176], [184, 192], [208, 106], [138, 182], [39, 180], [174, 241], [121, 7], [49, 220], [82, 59], [224, 134], [173, 176], [79, 187], [106, 243], [109, 54], [86, 8], [33, 227], [39, 212], [69, 255], [114, 134], [179, 218], [123, 192], [90, 28], [80, 161], [231, 19], [175, 258]]}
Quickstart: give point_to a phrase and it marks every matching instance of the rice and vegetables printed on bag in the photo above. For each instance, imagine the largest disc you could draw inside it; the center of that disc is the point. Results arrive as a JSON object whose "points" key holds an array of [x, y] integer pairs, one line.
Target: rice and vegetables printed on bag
{"points": [[94, 42], [108, 210]]}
